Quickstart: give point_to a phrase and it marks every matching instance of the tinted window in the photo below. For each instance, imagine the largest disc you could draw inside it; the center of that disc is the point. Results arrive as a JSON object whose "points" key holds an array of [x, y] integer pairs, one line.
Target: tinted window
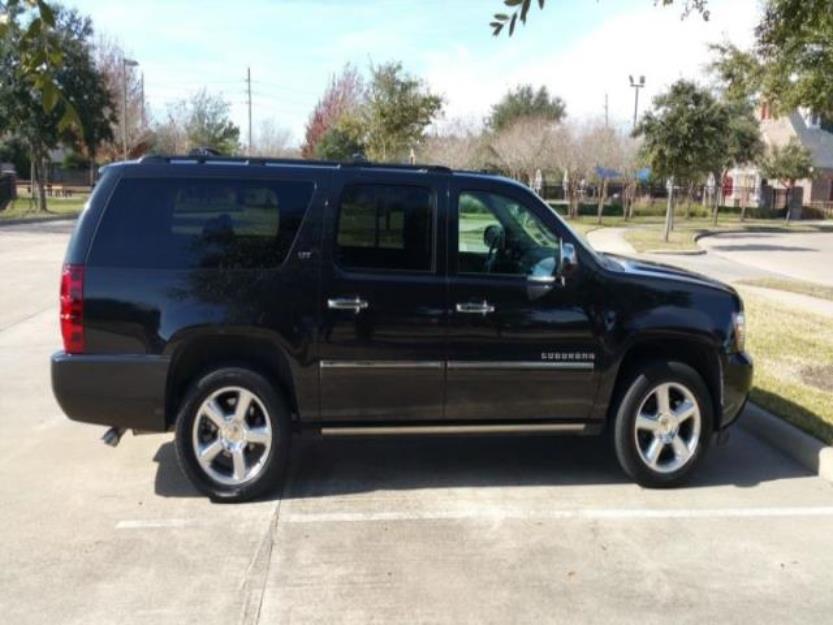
{"points": [[188, 223], [386, 227]]}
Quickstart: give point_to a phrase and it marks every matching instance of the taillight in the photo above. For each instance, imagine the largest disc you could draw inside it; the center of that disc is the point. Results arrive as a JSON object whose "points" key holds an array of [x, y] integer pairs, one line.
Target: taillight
{"points": [[72, 308]]}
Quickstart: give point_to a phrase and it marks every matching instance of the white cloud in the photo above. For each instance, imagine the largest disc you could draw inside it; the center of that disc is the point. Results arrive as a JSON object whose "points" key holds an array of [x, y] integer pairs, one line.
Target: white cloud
{"points": [[652, 41]]}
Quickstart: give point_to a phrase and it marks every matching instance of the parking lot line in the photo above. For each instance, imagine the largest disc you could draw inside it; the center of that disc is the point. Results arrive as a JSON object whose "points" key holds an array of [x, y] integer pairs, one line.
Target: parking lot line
{"points": [[614, 514], [154, 524]]}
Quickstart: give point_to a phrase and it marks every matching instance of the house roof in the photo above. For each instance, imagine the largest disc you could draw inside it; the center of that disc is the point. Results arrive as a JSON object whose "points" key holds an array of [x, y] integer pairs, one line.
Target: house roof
{"points": [[819, 142]]}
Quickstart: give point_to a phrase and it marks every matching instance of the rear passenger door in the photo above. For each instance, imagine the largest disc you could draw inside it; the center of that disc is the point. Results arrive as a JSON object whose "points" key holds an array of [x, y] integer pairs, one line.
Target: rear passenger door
{"points": [[381, 340]]}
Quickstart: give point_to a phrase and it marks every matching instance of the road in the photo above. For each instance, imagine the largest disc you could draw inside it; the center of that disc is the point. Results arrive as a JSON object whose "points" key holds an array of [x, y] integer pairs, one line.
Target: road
{"points": [[399, 530]]}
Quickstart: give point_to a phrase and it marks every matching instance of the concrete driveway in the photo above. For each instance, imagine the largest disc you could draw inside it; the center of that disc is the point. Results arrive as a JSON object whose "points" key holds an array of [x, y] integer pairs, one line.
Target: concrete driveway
{"points": [[400, 530], [804, 256]]}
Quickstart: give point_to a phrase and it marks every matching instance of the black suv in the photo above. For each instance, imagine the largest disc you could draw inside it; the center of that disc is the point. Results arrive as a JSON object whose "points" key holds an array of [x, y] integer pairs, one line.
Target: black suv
{"points": [[240, 301]]}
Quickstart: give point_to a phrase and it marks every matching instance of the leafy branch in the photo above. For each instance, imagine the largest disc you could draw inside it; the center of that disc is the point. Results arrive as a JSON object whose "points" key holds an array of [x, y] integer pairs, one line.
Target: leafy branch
{"points": [[521, 9]]}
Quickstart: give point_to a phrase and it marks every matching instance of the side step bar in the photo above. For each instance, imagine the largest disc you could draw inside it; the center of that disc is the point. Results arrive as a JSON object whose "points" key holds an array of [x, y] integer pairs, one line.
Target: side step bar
{"points": [[503, 428]]}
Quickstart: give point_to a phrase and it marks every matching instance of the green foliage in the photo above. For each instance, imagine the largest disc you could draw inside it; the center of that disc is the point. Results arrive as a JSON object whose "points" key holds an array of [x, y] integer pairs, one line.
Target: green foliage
{"points": [[525, 101], [519, 10], [739, 71], [341, 142], [795, 44], [787, 163], [685, 133], [397, 110], [207, 124], [38, 57]]}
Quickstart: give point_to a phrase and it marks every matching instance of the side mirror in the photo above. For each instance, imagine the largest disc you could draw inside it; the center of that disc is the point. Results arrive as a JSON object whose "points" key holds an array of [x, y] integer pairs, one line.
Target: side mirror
{"points": [[493, 237], [567, 260]]}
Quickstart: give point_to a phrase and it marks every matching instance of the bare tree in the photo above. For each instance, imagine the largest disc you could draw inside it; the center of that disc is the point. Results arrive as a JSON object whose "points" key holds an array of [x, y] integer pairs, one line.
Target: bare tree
{"points": [[568, 153], [109, 59], [522, 147], [273, 140], [459, 145]]}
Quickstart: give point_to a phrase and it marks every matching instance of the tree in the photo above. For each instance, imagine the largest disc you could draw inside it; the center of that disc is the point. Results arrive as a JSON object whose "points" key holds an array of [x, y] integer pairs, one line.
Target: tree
{"points": [[37, 55], [343, 141], [741, 144], [344, 95], [461, 145], [525, 101], [787, 164], [272, 140], [520, 10], [23, 109], [109, 60], [397, 110], [521, 147], [199, 122], [791, 62], [684, 135]]}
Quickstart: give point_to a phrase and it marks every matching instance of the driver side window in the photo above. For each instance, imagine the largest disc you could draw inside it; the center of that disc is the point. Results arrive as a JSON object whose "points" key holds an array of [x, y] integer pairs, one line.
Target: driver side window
{"points": [[499, 235]]}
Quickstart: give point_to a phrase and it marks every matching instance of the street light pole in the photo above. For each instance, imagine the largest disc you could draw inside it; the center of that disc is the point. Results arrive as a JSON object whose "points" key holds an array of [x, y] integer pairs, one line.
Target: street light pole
{"points": [[637, 85], [125, 63]]}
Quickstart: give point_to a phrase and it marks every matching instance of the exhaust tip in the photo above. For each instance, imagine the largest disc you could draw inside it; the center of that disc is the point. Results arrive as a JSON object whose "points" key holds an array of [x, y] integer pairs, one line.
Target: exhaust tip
{"points": [[112, 437]]}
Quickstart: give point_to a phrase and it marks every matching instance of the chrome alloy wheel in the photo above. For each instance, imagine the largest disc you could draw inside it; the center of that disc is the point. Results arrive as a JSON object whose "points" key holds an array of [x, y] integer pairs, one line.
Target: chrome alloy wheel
{"points": [[232, 436], [667, 427]]}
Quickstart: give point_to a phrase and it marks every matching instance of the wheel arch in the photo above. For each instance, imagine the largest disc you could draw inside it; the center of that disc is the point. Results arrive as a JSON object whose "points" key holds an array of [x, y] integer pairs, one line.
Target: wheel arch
{"points": [[198, 355], [697, 354]]}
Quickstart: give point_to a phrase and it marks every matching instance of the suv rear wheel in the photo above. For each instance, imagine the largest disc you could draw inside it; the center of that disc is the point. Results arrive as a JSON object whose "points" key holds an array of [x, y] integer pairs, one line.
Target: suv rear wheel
{"points": [[232, 434], [663, 424]]}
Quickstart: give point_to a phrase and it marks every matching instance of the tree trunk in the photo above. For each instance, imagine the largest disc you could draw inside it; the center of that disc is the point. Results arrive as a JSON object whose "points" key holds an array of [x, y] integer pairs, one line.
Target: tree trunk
{"points": [[39, 186], [789, 201], [602, 198], [718, 192], [669, 212], [92, 168]]}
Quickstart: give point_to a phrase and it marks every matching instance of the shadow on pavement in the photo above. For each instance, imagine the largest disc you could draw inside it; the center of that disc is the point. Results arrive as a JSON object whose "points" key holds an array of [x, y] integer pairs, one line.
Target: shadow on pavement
{"points": [[321, 467], [762, 247]]}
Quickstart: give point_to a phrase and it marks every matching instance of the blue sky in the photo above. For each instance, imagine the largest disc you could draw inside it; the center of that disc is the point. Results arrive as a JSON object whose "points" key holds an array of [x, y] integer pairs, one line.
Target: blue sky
{"points": [[580, 49]]}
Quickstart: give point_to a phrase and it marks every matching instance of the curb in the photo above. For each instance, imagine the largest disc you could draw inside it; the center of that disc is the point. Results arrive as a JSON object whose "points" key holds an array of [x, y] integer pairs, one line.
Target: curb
{"points": [[801, 447], [36, 220]]}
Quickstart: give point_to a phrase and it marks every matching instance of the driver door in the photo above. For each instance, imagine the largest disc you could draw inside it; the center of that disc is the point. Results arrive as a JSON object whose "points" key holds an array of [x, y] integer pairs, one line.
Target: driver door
{"points": [[517, 350]]}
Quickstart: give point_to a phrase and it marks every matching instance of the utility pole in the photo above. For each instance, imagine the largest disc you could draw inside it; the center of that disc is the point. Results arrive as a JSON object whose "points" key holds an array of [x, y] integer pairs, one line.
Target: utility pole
{"points": [[125, 63], [249, 90], [636, 87]]}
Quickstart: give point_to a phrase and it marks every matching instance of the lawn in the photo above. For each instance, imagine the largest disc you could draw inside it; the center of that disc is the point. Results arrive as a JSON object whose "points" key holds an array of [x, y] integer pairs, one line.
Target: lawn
{"points": [[20, 208], [793, 357], [793, 286]]}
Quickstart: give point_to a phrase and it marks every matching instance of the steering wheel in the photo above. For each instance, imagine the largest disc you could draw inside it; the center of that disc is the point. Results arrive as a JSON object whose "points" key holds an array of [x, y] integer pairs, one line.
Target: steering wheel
{"points": [[494, 236]]}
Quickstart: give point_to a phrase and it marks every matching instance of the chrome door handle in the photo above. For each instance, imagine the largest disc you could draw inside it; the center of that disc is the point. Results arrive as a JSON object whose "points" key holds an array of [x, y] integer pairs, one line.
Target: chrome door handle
{"points": [[475, 308], [347, 303]]}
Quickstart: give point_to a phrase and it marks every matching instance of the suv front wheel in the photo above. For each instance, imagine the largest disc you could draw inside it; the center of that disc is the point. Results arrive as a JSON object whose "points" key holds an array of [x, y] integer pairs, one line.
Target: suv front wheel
{"points": [[232, 434], [663, 424]]}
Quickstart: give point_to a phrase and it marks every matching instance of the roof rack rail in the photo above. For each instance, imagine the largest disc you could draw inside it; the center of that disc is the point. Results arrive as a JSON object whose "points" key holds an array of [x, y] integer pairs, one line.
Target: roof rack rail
{"points": [[265, 160]]}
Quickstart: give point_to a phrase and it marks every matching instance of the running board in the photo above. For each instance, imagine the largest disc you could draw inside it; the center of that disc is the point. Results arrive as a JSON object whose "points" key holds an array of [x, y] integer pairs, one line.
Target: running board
{"points": [[503, 428]]}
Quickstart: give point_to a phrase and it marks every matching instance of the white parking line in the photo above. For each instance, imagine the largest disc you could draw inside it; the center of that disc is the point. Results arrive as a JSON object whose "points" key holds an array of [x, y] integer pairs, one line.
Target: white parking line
{"points": [[153, 524], [613, 514]]}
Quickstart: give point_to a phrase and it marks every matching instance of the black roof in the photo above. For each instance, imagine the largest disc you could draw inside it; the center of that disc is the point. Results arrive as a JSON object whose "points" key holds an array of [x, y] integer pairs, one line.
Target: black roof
{"points": [[246, 160]]}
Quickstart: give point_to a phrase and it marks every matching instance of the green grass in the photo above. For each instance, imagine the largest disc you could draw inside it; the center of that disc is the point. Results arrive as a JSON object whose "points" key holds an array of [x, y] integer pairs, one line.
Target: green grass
{"points": [[793, 286], [793, 356], [20, 208]]}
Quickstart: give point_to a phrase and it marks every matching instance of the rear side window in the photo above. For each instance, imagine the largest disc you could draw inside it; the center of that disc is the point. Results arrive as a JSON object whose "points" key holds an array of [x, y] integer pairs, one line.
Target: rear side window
{"points": [[386, 227], [167, 223]]}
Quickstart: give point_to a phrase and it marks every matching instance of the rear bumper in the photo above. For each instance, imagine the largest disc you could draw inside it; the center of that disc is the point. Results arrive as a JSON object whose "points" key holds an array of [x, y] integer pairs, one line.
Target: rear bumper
{"points": [[124, 391], [737, 382]]}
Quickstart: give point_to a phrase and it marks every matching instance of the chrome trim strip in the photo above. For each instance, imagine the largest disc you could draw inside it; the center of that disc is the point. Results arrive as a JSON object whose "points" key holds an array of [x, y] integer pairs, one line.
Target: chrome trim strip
{"points": [[519, 364], [381, 364], [454, 429]]}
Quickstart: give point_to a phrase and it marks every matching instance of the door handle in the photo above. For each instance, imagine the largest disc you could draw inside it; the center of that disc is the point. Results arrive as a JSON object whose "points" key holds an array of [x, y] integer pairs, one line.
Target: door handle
{"points": [[347, 303], [475, 308]]}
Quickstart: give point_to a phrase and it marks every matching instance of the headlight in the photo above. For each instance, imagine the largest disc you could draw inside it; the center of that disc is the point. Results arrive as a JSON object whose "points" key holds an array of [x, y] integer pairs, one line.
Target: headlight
{"points": [[739, 328]]}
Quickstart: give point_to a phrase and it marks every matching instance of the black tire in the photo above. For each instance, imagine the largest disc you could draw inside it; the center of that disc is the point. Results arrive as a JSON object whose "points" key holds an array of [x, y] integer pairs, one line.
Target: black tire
{"points": [[271, 403], [637, 390]]}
